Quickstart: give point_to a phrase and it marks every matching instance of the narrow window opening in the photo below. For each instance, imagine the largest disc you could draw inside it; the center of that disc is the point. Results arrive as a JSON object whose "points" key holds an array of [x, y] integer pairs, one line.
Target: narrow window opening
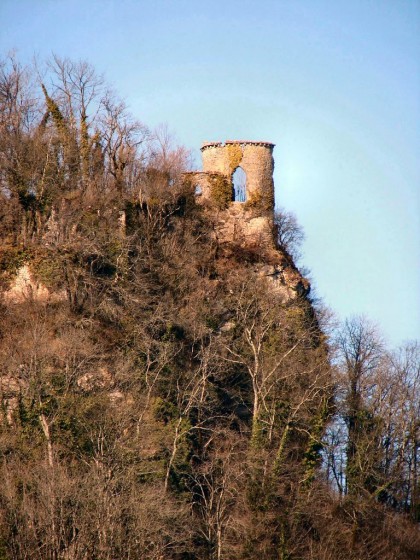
{"points": [[239, 185], [198, 190]]}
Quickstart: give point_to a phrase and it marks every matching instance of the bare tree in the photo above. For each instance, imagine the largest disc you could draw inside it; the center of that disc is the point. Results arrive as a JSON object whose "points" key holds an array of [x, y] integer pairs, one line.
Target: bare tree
{"points": [[360, 350], [121, 137], [289, 233]]}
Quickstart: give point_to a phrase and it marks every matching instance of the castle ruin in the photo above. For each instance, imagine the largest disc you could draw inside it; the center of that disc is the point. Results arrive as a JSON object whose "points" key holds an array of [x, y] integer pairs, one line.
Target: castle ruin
{"points": [[237, 187], [237, 182]]}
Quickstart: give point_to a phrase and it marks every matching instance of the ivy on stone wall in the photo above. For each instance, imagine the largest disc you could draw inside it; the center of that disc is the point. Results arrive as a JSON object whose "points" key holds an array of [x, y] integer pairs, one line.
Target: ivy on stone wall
{"points": [[260, 201], [235, 154], [220, 190]]}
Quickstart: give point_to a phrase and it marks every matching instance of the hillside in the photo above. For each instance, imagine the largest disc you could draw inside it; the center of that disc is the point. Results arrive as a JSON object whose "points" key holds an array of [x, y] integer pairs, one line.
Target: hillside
{"points": [[169, 389]]}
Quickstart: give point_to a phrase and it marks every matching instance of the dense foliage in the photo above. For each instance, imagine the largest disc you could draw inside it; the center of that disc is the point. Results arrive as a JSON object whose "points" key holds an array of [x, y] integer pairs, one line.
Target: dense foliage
{"points": [[168, 403]]}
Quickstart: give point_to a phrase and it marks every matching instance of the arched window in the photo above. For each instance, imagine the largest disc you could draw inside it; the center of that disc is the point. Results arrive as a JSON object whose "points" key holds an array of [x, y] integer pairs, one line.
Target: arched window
{"points": [[198, 191], [239, 185]]}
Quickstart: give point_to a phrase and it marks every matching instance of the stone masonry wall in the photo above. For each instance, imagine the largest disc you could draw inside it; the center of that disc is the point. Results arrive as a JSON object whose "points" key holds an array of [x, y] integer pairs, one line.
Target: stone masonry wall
{"points": [[249, 222], [255, 158]]}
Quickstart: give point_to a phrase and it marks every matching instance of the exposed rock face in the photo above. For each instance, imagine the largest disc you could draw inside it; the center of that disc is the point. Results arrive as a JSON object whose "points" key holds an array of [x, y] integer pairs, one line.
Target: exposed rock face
{"points": [[10, 388], [25, 288], [285, 278], [244, 227], [94, 380]]}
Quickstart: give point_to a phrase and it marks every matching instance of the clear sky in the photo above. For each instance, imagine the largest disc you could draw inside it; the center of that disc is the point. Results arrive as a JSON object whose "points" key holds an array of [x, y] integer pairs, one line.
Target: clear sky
{"points": [[334, 84]]}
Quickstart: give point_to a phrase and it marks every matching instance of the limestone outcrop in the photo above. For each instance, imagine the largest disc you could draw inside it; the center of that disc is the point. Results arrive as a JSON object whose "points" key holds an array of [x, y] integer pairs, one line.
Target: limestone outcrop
{"points": [[24, 287]]}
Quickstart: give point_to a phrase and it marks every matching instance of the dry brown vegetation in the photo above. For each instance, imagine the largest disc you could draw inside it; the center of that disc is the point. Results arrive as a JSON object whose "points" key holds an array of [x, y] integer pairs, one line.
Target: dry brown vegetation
{"points": [[171, 405]]}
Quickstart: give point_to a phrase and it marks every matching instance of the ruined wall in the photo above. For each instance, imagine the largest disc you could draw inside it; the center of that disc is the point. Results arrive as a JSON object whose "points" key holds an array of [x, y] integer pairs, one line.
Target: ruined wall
{"points": [[255, 158], [248, 222]]}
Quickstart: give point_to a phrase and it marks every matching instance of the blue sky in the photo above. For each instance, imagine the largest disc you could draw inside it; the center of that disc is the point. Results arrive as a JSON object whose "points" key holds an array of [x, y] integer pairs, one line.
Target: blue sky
{"points": [[334, 84]]}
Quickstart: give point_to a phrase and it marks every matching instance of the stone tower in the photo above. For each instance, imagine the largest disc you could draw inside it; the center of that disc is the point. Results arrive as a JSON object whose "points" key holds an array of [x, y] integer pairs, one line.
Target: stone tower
{"points": [[237, 183]]}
